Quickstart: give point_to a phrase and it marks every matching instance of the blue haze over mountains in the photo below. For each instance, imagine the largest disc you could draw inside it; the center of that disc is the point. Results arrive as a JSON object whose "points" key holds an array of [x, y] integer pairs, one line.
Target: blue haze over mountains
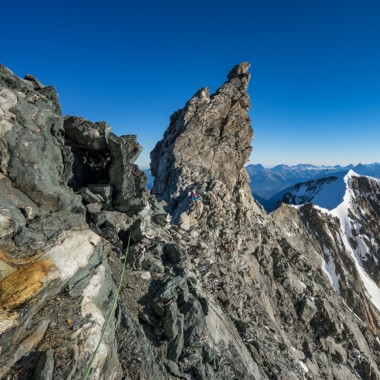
{"points": [[266, 182]]}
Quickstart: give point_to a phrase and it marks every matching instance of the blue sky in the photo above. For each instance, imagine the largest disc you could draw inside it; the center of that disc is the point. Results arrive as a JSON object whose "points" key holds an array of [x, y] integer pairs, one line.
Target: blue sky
{"points": [[315, 67]]}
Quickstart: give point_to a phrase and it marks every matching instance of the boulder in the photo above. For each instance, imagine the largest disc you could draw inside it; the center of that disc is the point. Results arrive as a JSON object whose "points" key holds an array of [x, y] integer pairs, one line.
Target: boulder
{"points": [[308, 310], [336, 350], [176, 253], [129, 189], [184, 221], [105, 191], [89, 196]]}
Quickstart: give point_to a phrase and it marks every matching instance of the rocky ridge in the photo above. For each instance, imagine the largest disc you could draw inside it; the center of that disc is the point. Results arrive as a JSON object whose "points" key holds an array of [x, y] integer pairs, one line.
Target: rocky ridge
{"points": [[229, 220], [223, 291]]}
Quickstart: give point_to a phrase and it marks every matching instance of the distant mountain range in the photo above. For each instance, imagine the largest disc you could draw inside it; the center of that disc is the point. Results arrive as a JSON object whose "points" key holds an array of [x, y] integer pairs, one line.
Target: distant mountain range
{"points": [[266, 182]]}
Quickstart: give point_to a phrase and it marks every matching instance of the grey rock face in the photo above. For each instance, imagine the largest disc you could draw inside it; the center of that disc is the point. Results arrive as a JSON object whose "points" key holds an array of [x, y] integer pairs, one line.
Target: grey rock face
{"points": [[46, 244], [129, 188], [364, 222], [99, 159], [92, 136], [16, 208], [308, 310], [199, 138], [31, 133]]}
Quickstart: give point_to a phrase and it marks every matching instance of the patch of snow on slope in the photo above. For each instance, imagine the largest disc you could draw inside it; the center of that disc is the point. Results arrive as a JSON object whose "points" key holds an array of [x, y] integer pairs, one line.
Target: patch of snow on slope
{"points": [[303, 366], [362, 250], [321, 209], [331, 195], [329, 269], [327, 192]]}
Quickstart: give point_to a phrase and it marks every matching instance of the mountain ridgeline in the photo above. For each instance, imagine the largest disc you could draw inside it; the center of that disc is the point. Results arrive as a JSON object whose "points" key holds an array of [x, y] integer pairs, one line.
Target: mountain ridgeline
{"points": [[214, 288], [266, 183]]}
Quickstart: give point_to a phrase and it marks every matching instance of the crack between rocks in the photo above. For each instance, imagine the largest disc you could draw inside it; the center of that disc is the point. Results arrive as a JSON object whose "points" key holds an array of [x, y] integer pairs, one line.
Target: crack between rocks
{"points": [[221, 132]]}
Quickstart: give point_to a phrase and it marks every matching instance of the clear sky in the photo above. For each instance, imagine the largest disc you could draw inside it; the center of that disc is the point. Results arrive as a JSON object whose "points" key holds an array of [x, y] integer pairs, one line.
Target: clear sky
{"points": [[315, 85]]}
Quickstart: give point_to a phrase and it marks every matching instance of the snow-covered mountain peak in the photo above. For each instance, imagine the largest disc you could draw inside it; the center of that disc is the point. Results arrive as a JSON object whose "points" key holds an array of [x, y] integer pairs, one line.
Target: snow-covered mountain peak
{"points": [[351, 173], [354, 200], [326, 192]]}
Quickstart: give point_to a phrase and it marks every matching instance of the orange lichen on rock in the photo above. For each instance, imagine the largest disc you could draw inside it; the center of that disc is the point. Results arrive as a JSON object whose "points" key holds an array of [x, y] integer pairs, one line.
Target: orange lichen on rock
{"points": [[6, 265], [24, 283], [5, 258]]}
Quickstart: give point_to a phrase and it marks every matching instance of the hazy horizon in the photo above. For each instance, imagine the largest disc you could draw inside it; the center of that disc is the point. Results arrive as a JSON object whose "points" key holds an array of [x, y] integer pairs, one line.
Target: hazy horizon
{"points": [[299, 163]]}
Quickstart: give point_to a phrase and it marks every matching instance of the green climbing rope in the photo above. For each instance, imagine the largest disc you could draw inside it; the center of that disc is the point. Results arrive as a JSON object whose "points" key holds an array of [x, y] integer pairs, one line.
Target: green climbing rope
{"points": [[111, 313]]}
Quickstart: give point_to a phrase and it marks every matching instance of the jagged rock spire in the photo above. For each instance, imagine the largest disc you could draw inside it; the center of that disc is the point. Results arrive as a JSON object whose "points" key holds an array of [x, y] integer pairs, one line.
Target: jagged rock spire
{"points": [[209, 139]]}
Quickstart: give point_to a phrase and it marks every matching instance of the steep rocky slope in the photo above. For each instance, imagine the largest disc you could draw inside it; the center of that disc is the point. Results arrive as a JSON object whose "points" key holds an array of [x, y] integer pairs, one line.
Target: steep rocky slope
{"points": [[351, 203], [269, 272], [223, 292]]}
